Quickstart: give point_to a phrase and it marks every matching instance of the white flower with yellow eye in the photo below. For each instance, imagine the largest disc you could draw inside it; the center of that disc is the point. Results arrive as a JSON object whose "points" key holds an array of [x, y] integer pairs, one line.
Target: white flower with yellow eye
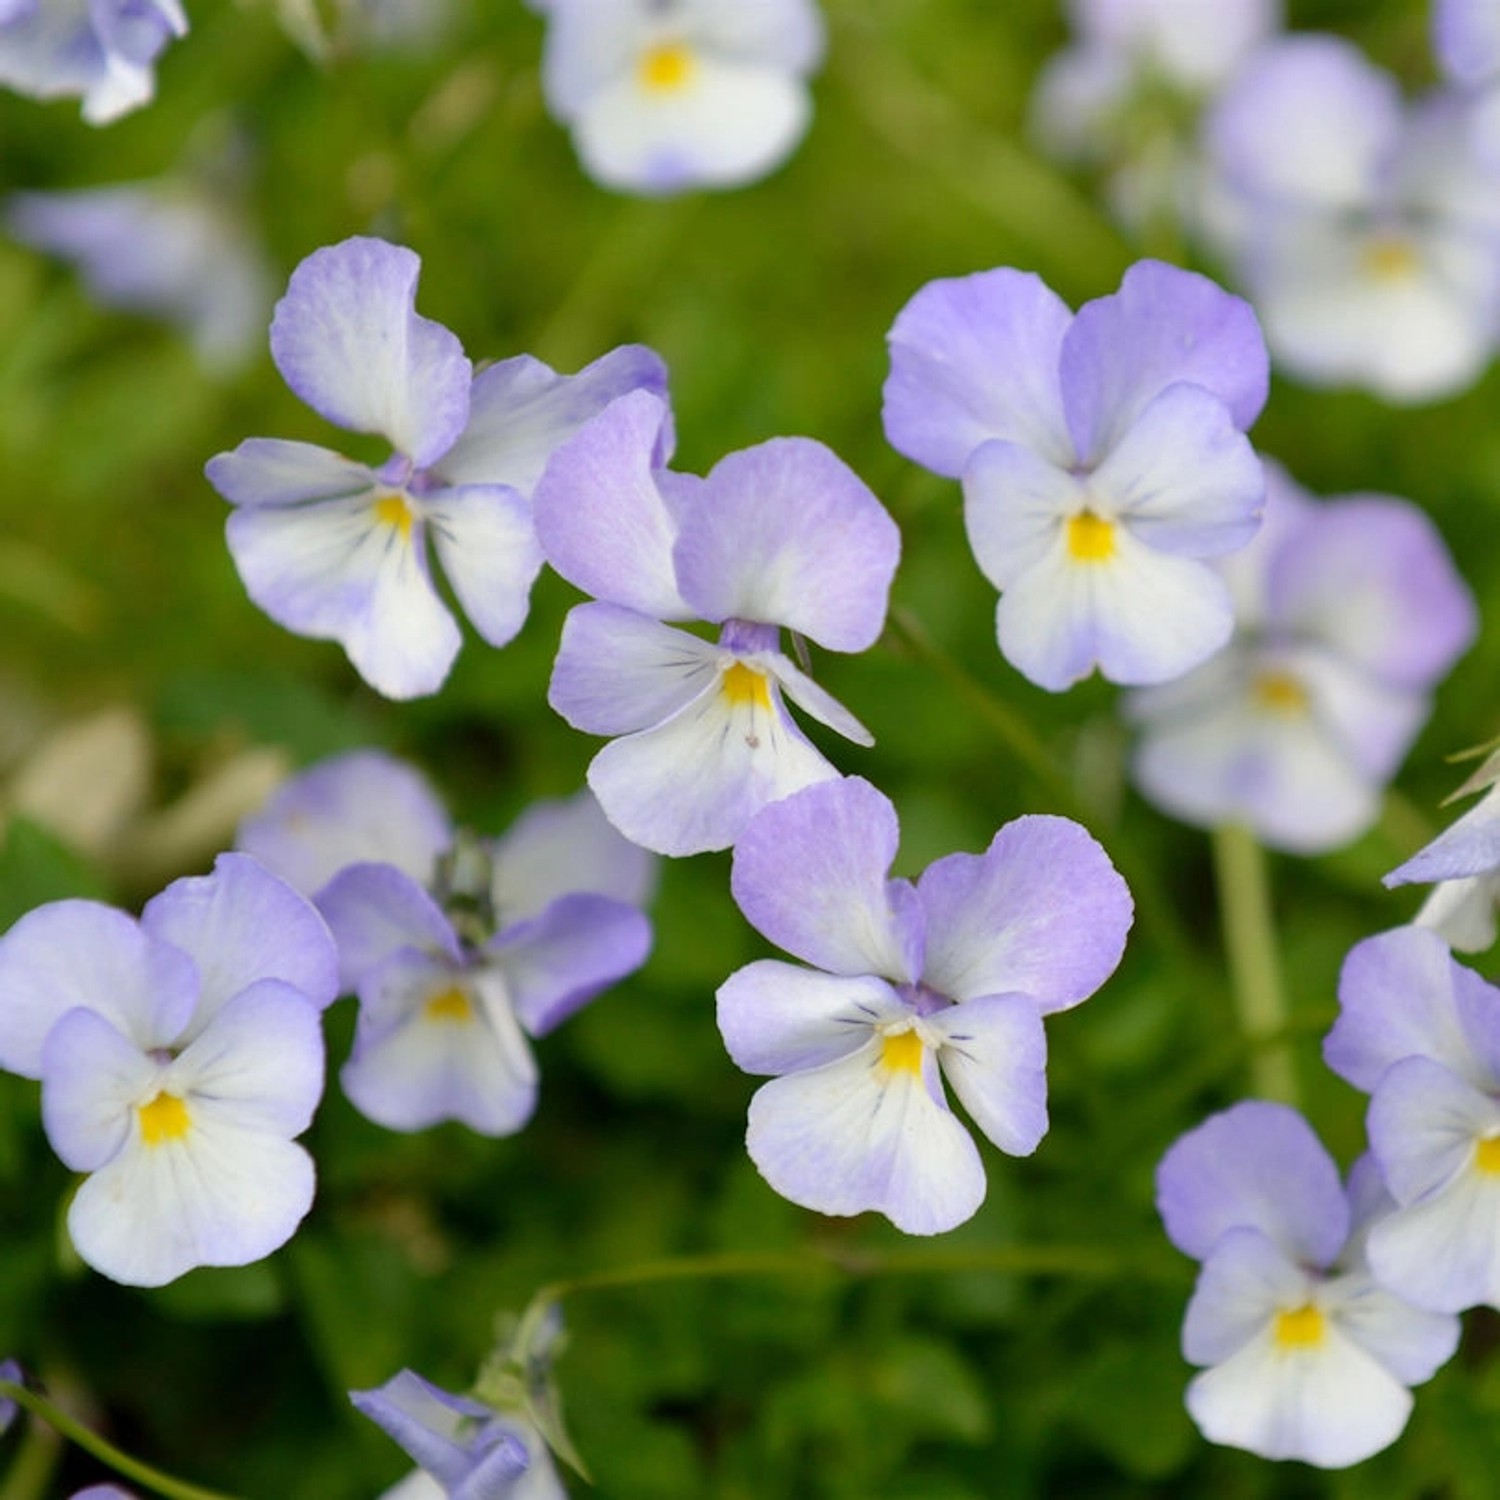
{"points": [[666, 95]]}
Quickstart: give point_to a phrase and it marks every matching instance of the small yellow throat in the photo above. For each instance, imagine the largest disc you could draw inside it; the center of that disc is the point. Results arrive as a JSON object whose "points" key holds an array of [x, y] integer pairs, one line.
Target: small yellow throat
{"points": [[1301, 1328], [1091, 539], [1279, 693], [1487, 1156], [165, 1118], [1388, 257], [392, 510], [741, 685], [451, 1007], [666, 68], [902, 1052]]}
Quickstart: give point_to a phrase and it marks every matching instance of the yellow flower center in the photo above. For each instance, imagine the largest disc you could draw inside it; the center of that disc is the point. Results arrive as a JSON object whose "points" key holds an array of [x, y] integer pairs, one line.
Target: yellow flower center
{"points": [[1279, 692], [1389, 257], [1487, 1156], [741, 685], [165, 1118], [1091, 539], [451, 1006], [665, 68], [393, 510], [902, 1052], [1302, 1328]]}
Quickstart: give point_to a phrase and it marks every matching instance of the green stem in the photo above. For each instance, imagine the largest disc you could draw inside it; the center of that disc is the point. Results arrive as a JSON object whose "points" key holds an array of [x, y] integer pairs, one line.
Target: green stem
{"points": [[1008, 1260], [30, 1476], [1250, 944], [105, 1452]]}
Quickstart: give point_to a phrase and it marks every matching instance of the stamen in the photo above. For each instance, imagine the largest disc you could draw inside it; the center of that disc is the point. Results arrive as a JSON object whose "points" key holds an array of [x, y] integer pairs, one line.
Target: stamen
{"points": [[902, 1052], [741, 685], [1487, 1156], [665, 68], [393, 510], [1279, 693], [165, 1118], [1302, 1328], [452, 1006], [1090, 538]]}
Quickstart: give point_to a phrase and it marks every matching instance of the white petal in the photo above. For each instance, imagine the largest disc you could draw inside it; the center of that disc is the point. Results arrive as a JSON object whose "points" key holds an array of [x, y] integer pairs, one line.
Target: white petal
{"points": [[854, 1135], [218, 1196], [730, 123], [693, 782], [488, 548], [1139, 616], [334, 570], [1330, 1405]]}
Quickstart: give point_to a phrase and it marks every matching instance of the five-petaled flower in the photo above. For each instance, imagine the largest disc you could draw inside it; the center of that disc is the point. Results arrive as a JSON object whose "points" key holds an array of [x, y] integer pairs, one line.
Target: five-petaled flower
{"points": [[1307, 1357], [459, 948], [1103, 458], [337, 550], [1420, 1034], [179, 1055], [665, 95], [911, 983], [782, 535]]}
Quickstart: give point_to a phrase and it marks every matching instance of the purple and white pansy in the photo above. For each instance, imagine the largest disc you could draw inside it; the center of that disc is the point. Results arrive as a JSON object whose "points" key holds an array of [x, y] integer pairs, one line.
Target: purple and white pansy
{"points": [[948, 977], [1348, 613], [667, 95], [337, 550], [1306, 1357], [1373, 259], [458, 948], [465, 1450], [780, 536], [102, 51], [1420, 1034], [1102, 454], [179, 1055]]}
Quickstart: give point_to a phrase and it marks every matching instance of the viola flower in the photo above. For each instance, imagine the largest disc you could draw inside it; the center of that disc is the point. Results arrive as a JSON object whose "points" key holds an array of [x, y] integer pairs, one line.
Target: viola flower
{"points": [[666, 95], [1102, 455], [1464, 860], [102, 51], [169, 249], [1126, 95], [911, 983], [466, 1450], [333, 549], [1420, 1034], [1306, 1356], [782, 535], [178, 1056], [458, 948], [1375, 259], [1349, 612]]}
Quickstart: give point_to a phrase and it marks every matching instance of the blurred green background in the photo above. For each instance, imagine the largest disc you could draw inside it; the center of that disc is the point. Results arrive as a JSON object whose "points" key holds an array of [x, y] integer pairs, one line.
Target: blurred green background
{"points": [[117, 597]]}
